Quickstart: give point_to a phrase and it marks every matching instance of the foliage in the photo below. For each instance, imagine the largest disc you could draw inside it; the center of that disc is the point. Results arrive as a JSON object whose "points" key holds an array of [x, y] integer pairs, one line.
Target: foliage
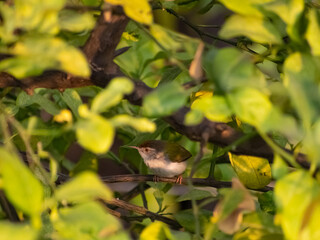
{"points": [[263, 82]]}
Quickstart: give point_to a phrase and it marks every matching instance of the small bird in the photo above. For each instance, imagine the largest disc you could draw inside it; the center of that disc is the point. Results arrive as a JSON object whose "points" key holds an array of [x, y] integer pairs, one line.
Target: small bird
{"points": [[165, 159]]}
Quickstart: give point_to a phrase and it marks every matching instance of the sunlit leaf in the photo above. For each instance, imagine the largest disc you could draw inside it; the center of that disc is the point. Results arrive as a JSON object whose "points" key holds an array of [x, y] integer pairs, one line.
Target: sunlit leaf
{"points": [[14, 231], [35, 55], [253, 172], [229, 69], [87, 221], [165, 100], [155, 231], [290, 12], [245, 7], [112, 94], [95, 133], [250, 105], [21, 187], [82, 188], [215, 108], [293, 195], [75, 22], [138, 10], [256, 28], [140, 124]]}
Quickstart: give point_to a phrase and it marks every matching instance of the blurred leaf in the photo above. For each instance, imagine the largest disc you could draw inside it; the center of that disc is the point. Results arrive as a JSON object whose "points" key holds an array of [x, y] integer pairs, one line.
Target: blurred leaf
{"points": [[230, 69], [309, 229], [64, 116], [260, 220], [140, 124], [34, 55], [187, 219], [279, 167], [256, 28], [95, 133], [196, 194], [72, 99], [245, 7], [86, 222], [76, 22], [88, 162], [301, 73], [266, 202], [43, 18], [83, 188], [289, 12], [229, 211], [293, 195], [112, 95], [261, 234], [193, 117], [253, 172], [93, 3], [15, 231], [165, 100], [250, 105], [195, 69], [138, 10], [24, 100], [21, 187], [156, 231], [215, 108], [313, 32]]}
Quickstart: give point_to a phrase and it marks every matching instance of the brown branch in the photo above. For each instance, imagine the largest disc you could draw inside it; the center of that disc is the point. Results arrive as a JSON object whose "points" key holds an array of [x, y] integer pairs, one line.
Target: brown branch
{"points": [[143, 211], [208, 182]]}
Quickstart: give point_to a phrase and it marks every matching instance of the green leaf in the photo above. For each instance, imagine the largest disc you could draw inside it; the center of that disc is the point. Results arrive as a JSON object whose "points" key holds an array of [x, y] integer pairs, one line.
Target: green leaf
{"points": [[250, 105], [76, 22], [313, 31], [72, 99], [95, 133], [196, 194], [301, 74], [112, 95], [82, 188], [87, 221], [253, 172], [289, 11], [279, 167], [164, 100], [24, 100], [229, 69], [266, 202], [88, 162], [252, 233], [260, 220], [215, 108], [293, 194], [187, 219], [245, 7], [138, 10], [140, 124], [35, 55], [21, 187], [14, 231], [156, 231], [256, 28]]}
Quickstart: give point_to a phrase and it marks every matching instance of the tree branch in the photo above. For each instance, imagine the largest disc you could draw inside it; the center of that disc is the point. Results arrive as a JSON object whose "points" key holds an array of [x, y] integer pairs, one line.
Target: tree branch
{"points": [[208, 182], [141, 210]]}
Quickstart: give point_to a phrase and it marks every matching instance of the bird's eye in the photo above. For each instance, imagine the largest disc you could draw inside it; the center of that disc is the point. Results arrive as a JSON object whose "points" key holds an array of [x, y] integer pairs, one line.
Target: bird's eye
{"points": [[147, 150]]}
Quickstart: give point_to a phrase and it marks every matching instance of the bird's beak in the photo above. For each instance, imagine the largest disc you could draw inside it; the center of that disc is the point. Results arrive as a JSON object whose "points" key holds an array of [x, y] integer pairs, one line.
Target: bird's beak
{"points": [[133, 147]]}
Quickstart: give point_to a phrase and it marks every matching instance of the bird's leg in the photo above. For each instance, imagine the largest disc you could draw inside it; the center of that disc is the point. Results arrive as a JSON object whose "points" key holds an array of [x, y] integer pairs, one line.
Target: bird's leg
{"points": [[179, 179], [155, 178]]}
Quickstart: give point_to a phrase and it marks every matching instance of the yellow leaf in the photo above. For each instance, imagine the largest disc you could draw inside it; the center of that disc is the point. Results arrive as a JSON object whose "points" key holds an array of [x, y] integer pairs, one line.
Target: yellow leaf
{"points": [[64, 116], [138, 10], [253, 172]]}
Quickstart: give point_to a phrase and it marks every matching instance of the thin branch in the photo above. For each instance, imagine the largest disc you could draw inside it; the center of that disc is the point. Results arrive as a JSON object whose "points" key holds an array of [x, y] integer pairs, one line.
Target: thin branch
{"points": [[143, 211], [195, 181]]}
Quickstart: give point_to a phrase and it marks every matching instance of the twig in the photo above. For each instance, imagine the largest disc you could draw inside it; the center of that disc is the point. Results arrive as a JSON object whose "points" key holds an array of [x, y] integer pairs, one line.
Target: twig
{"points": [[143, 211], [203, 144], [195, 181]]}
